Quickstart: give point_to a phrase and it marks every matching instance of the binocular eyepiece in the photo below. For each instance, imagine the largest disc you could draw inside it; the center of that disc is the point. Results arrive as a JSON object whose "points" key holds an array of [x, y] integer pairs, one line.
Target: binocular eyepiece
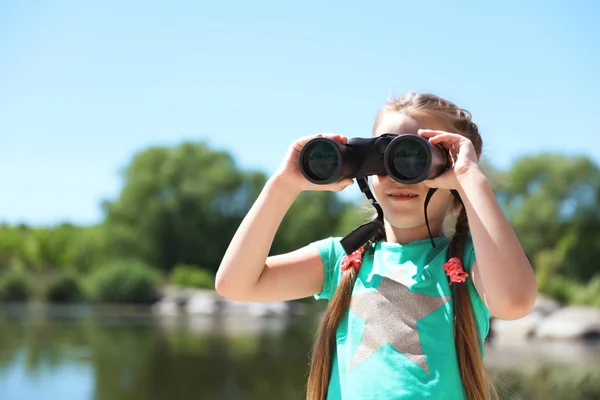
{"points": [[406, 158]]}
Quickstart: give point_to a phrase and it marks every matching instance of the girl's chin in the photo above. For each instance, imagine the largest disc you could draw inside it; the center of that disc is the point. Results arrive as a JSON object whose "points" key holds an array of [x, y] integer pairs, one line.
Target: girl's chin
{"points": [[412, 222], [404, 211]]}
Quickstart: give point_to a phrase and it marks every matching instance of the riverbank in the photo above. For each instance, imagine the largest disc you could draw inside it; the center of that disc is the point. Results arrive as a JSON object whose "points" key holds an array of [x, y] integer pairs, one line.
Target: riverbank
{"points": [[188, 301], [547, 321]]}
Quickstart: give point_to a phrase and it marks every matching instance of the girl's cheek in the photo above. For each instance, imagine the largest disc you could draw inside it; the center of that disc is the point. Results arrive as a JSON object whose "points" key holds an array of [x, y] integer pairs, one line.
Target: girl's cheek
{"points": [[376, 183], [375, 186], [376, 179]]}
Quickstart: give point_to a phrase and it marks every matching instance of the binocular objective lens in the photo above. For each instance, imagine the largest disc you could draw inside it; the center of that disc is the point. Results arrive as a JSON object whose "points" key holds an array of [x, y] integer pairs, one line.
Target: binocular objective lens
{"points": [[409, 159], [322, 160]]}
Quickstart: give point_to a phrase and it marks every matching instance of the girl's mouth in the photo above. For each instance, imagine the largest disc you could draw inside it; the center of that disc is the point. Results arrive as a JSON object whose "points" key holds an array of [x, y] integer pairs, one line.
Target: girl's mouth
{"points": [[403, 196]]}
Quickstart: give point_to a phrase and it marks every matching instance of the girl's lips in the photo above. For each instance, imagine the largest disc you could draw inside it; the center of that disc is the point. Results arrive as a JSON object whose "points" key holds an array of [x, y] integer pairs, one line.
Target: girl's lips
{"points": [[402, 195]]}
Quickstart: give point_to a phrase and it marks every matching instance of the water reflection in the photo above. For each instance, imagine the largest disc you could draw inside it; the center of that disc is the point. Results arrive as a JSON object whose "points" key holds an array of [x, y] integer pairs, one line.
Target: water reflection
{"points": [[82, 353], [137, 356]]}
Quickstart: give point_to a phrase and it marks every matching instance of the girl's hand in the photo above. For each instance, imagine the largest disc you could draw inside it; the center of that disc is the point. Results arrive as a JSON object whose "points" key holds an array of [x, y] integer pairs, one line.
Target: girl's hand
{"points": [[462, 153], [289, 174]]}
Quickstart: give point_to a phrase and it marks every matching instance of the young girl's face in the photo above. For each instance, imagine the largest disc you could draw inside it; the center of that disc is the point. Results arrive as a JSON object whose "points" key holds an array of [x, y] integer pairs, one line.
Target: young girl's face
{"points": [[406, 212]]}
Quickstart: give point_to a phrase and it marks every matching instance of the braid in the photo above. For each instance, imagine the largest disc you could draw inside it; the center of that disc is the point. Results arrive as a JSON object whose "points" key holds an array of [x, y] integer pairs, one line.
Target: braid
{"points": [[320, 369], [456, 247], [468, 346]]}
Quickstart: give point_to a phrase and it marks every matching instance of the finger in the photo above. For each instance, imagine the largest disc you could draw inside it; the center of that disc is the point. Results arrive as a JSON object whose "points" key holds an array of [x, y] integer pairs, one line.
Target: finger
{"points": [[437, 136], [335, 136], [346, 182], [304, 139], [447, 139], [343, 184], [301, 142], [428, 133]]}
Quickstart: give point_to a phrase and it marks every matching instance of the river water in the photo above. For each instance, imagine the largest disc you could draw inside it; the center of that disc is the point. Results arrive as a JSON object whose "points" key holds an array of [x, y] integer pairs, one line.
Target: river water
{"points": [[84, 353]]}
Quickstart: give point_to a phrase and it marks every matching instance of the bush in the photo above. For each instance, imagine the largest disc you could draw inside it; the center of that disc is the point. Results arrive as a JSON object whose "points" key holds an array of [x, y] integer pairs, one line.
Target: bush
{"points": [[562, 382], [568, 291], [15, 285], [560, 288], [588, 294], [124, 281], [63, 287], [192, 276]]}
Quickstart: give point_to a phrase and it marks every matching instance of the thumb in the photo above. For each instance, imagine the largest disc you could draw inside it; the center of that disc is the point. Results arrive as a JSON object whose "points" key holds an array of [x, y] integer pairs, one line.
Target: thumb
{"points": [[343, 184]]}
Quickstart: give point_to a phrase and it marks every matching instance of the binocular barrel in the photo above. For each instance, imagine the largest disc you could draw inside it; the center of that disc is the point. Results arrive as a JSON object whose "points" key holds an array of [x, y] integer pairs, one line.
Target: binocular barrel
{"points": [[406, 158]]}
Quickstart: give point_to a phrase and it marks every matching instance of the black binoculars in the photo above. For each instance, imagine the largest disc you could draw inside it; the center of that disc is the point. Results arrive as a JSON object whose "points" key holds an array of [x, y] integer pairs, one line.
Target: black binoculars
{"points": [[406, 158]]}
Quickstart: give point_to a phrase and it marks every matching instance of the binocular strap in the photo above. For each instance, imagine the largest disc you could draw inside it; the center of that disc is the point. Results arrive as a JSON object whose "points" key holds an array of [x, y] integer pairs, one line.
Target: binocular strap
{"points": [[361, 235], [430, 194]]}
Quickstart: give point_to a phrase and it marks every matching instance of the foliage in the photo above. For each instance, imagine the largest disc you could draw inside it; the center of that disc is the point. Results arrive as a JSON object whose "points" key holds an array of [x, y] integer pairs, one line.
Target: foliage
{"points": [[52, 246], [313, 216], [553, 202], [63, 287], [17, 245], [124, 281], [192, 276], [57, 247], [179, 205], [15, 284], [570, 292]]}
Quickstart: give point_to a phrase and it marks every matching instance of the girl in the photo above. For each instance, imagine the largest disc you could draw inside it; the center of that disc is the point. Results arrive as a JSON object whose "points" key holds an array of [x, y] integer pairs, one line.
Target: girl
{"points": [[406, 319]]}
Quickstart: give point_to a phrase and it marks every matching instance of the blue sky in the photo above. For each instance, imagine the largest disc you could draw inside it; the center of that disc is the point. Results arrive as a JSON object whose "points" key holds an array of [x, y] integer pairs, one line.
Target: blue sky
{"points": [[85, 85]]}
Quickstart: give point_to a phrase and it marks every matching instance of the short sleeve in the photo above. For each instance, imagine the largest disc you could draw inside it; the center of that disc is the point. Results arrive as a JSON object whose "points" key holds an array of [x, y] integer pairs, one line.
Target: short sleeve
{"points": [[482, 314], [331, 252]]}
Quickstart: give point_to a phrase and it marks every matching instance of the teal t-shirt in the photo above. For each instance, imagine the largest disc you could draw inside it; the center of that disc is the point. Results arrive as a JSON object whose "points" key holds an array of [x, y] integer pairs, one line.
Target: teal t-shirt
{"points": [[396, 341]]}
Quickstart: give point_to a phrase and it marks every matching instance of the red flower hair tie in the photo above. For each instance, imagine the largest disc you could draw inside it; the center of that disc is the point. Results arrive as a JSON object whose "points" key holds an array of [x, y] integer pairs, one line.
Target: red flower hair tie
{"points": [[353, 260], [454, 269]]}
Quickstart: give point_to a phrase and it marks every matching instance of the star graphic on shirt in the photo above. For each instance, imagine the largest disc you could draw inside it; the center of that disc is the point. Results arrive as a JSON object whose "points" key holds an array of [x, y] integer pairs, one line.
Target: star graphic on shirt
{"points": [[390, 314]]}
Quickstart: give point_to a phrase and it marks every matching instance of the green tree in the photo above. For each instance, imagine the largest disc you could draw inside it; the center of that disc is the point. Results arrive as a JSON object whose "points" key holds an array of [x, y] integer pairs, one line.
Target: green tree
{"points": [[179, 205], [17, 245], [313, 216], [47, 248], [88, 249], [553, 202], [53, 245]]}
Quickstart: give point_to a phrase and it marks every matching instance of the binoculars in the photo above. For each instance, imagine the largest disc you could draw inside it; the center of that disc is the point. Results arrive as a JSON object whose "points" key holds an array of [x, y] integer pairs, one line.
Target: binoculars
{"points": [[406, 158]]}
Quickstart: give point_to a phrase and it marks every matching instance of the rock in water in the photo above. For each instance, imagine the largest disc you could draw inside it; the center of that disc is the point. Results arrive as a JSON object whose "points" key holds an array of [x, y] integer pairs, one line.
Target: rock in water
{"points": [[573, 322]]}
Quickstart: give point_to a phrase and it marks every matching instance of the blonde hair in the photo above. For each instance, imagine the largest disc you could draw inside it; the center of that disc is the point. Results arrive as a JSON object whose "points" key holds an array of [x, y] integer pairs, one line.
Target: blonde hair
{"points": [[476, 382]]}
